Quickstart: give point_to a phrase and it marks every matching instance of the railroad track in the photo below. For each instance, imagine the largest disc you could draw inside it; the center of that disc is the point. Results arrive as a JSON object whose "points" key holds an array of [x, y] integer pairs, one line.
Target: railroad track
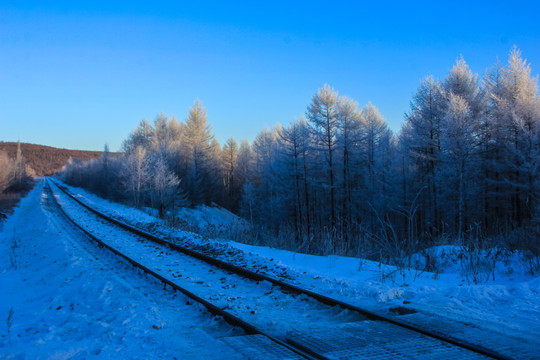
{"points": [[271, 347], [320, 328], [145, 289]]}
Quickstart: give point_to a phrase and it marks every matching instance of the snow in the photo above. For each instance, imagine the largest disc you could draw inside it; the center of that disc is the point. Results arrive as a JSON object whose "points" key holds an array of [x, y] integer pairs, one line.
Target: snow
{"points": [[72, 305], [510, 303], [204, 216], [59, 302]]}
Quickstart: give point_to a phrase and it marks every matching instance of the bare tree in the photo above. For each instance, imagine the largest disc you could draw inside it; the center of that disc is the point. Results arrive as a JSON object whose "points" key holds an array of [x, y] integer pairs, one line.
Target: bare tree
{"points": [[135, 175], [163, 186], [6, 171]]}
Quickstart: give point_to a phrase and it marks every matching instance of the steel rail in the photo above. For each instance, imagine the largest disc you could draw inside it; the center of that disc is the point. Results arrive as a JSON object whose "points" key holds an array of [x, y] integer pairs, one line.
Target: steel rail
{"points": [[292, 288], [213, 309]]}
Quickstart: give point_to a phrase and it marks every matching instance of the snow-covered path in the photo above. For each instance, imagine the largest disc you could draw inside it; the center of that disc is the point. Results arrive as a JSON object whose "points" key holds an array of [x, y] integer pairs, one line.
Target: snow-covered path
{"points": [[58, 301]]}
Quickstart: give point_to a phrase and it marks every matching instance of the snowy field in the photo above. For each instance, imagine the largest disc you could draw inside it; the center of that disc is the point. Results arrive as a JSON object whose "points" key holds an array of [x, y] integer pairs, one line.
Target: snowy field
{"points": [[59, 301]]}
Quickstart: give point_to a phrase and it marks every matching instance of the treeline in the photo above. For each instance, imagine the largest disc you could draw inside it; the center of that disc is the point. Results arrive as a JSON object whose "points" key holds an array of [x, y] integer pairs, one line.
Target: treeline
{"points": [[44, 160], [464, 167]]}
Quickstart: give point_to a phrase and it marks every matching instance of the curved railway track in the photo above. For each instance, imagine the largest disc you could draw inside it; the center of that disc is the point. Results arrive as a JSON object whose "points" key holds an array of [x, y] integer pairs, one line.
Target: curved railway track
{"points": [[275, 348], [145, 288], [358, 331]]}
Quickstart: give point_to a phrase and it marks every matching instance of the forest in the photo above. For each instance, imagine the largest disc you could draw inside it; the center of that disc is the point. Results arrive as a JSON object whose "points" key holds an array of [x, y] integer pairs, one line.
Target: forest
{"points": [[20, 162], [41, 160], [462, 170]]}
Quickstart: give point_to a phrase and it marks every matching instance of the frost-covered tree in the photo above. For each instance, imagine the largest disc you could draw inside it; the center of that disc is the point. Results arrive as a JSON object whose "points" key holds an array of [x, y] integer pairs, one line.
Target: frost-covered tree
{"points": [[230, 159], [19, 166], [176, 154], [424, 124], [142, 136], [322, 114], [464, 166], [377, 139], [514, 117], [16, 173], [263, 179], [160, 140], [349, 138], [135, 175], [214, 174], [6, 171], [464, 110], [459, 144], [163, 185], [294, 142], [244, 163], [199, 148]]}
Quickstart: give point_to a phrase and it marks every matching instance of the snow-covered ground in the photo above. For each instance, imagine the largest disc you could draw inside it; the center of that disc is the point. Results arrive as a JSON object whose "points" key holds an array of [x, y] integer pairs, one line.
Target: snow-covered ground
{"points": [[62, 299], [49, 308]]}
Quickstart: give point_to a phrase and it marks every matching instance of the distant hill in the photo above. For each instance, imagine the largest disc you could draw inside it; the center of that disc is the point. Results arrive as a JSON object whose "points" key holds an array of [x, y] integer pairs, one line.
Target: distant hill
{"points": [[46, 160]]}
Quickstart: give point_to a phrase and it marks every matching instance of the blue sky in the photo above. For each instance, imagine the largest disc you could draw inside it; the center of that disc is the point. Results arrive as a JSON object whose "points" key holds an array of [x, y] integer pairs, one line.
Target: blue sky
{"points": [[79, 74]]}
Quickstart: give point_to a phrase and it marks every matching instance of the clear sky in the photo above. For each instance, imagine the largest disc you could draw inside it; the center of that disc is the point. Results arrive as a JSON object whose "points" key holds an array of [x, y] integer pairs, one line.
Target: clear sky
{"points": [[79, 74]]}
